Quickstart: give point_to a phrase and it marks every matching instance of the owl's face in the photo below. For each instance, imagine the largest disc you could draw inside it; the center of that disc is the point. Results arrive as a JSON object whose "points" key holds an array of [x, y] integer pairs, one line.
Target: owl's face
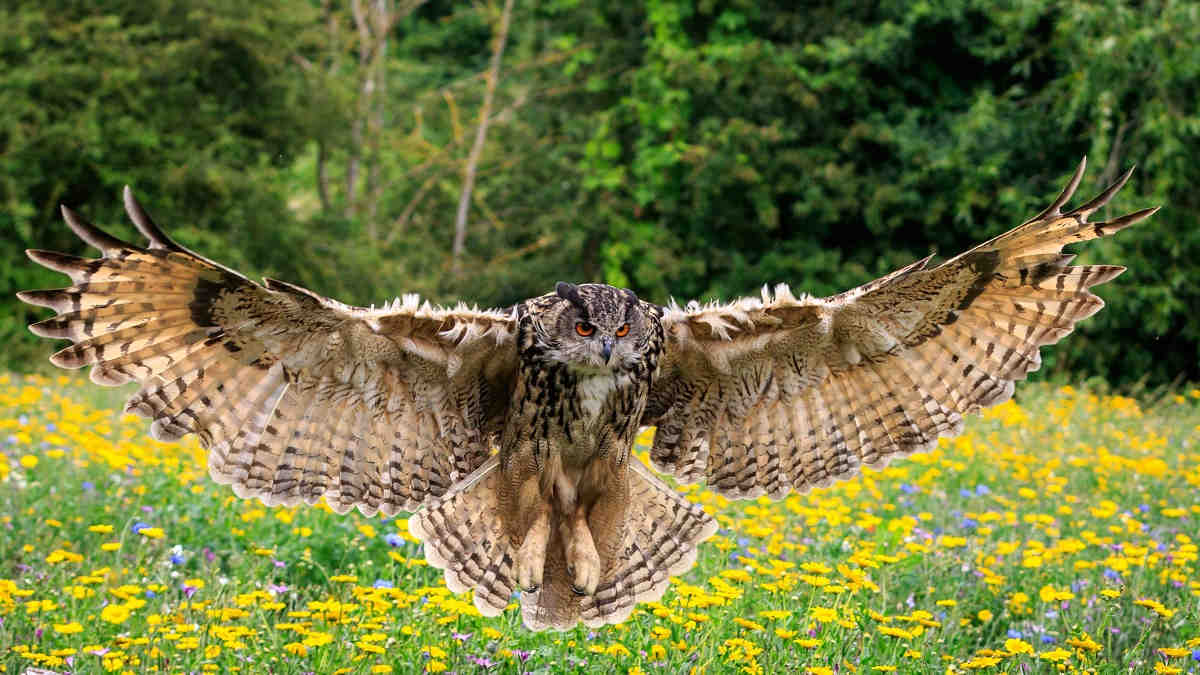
{"points": [[596, 328]]}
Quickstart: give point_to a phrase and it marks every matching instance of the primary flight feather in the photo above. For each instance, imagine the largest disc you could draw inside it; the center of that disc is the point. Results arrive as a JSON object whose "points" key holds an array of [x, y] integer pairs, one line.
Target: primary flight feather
{"points": [[298, 397]]}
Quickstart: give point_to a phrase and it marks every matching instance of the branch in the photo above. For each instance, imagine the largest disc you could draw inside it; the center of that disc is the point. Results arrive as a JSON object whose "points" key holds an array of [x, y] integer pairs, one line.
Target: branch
{"points": [[464, 202]]}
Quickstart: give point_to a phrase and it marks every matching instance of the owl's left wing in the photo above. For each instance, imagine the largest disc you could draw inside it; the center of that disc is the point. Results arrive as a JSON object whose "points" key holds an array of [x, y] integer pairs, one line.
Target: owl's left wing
{"points": [[766, 395], [295, 396]]}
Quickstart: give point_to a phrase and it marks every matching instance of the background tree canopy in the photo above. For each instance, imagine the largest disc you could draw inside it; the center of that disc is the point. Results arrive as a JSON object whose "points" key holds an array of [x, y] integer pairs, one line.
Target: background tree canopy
{"points": [[676, 147]]}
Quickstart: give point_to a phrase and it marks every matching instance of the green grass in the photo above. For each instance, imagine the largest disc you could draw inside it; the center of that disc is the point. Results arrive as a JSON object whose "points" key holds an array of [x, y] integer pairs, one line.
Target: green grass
{"points": [[1057, 534]]}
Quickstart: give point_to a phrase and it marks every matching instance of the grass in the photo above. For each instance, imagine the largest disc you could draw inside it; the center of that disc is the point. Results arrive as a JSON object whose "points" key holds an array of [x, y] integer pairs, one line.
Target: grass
{"points": [[1057, 534]]}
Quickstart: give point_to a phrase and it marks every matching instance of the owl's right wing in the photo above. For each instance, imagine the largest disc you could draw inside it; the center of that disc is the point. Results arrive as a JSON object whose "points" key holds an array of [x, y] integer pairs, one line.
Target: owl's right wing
{"points": [[295, 396], [763, 396]]}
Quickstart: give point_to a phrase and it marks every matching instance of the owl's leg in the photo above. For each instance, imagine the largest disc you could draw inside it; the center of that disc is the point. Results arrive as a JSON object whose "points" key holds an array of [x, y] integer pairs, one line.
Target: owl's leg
{"points": [[583, 562], [531, 557]]}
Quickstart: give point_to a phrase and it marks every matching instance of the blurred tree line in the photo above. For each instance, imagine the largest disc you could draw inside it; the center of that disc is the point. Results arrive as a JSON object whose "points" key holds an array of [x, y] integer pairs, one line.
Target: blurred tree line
{"points": [[678, 147]]}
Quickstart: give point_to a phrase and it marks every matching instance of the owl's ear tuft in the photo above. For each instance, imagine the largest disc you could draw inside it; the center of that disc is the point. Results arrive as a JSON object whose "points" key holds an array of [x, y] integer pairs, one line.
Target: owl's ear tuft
{"points": [[570, 293], [566, 291]]}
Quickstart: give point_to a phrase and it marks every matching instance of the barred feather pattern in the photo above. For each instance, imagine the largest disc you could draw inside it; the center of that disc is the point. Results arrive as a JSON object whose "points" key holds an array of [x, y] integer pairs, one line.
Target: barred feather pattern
{"points": [[773, 394], [659, 540], [296, 397], [465, 539]]}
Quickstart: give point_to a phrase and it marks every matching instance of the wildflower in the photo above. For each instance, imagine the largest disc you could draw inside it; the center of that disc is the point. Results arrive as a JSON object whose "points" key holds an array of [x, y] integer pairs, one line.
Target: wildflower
{"points": [[317, 639], [811, 643], [1058, 654], [747, 624], [116, 614], [823, 614], [895, 632], [68, 628], [1085, 642], [1014, 646], [981, 662]]}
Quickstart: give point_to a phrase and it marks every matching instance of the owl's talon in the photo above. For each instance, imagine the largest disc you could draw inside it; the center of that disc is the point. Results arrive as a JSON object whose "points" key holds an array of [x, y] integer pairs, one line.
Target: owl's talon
{"points": [[583, 562]]}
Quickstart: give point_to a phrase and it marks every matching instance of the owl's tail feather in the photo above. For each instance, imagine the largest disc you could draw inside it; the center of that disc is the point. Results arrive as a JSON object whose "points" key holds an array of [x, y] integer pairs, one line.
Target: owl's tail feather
{"points": [[465, 537], [661, 532]]}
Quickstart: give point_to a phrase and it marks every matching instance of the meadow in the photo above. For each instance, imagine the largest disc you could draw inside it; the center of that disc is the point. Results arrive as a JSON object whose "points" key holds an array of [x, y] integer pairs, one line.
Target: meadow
{"points": [[1058, 534]]}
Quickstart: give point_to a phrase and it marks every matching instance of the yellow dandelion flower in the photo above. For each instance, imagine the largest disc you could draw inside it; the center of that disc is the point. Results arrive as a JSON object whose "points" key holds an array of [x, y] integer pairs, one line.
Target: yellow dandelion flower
{"points": [[295, 648], [1173, 652], [1166, 670], [1057, 654], [984, 615], [317, 639], [432, 666], [1085, 642], [68, 628], [152, 532], [28, 461], [1013, 646], [116, 614], [810, 643], [747, 624], [823, 614]]}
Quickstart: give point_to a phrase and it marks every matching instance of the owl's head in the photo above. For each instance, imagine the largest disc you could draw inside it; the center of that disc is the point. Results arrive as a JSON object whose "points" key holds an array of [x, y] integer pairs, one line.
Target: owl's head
{"points": [[597, 328]]}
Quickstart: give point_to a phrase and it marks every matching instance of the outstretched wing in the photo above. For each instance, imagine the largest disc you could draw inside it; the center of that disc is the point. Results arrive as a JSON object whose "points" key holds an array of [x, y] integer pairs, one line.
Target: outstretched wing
{"points": [[295, 396], [779, 393]]}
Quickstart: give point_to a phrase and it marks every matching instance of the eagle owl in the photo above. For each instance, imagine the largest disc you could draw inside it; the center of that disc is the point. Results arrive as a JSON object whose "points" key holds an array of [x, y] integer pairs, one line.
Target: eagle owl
{"points": [[509, 432]]}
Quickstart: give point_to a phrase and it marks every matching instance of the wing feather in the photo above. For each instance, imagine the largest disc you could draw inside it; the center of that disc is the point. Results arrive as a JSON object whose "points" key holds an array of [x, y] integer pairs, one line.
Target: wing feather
{"points": [[297, 397], [774, 393]]}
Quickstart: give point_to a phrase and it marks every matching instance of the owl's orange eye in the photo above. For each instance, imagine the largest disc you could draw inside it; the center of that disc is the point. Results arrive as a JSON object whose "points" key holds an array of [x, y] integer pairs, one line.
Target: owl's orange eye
{"points": [[584, 328], [623, 330]]}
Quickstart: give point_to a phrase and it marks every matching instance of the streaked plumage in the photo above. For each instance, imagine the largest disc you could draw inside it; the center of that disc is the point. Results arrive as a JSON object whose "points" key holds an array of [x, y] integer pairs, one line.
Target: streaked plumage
{"points": [[298, 397]]}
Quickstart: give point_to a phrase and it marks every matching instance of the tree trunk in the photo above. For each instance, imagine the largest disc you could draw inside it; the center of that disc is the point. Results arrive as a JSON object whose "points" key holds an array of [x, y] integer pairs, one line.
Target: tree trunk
{"points": [[464, 200]]}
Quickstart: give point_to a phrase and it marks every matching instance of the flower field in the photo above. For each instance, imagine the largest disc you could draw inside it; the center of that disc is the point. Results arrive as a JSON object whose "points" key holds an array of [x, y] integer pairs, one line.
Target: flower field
{"points": [[1059, 533]]}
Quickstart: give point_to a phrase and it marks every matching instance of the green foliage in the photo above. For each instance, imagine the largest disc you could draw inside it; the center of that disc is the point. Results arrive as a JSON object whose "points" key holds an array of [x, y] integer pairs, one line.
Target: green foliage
{"points": [[678, 147]]}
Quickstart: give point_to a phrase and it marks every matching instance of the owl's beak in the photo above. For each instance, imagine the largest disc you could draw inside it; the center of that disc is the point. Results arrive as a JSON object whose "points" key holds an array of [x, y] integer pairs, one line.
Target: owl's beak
{"points": [[606, 344]]}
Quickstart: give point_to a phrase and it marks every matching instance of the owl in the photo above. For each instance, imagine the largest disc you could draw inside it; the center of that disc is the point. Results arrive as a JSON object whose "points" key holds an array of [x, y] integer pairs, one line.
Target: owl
{"points": [[508, 433]]}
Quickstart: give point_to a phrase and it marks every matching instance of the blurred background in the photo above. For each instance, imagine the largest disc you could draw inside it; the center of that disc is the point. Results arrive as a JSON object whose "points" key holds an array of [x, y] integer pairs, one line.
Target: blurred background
{"points": [[686, 148]]}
